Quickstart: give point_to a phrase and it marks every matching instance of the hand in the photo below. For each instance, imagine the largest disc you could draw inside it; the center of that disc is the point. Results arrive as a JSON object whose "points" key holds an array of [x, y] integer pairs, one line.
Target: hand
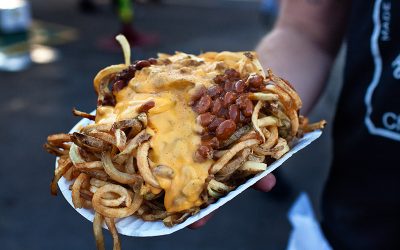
{"points": [[264, 185]]}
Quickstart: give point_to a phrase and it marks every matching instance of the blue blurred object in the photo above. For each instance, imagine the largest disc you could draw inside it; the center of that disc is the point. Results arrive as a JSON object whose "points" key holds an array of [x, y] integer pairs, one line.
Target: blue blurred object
{"points": [[15, 21], [268, 12], [269, 7]]}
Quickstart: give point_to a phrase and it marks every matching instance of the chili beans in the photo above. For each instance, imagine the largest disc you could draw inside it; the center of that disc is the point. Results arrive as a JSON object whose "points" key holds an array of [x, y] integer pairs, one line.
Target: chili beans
{"points": [[215, 91], [203, 104], [229, 98], [232, 74], [152, 60], [240, 86], [197, 95], [215, 123], [234, 113], [229, 86], [247, 108], [256, 81], [220, 79], [146, 106], [142, 64], [217, 106], [121, 79], [213, 142], [205, 119], [203, 153], [225, 129], [126, 74], [118, 85], [223, 108]]}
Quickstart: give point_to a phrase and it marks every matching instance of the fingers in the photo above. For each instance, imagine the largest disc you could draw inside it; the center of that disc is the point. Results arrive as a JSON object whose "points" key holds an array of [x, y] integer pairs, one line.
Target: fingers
{"points": [[266, 183], [201, 222]]}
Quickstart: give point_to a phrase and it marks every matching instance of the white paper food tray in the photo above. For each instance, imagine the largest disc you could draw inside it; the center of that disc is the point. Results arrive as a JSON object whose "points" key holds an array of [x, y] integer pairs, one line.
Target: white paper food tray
{"points": [[132, 226]]}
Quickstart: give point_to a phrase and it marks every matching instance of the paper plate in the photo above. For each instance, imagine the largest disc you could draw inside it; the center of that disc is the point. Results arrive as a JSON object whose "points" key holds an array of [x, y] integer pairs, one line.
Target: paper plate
{"points": [[132, 226]]}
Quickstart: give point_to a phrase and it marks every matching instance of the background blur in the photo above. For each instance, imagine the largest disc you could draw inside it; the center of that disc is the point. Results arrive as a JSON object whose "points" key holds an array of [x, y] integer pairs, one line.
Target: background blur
{"points": [[70, 41]]}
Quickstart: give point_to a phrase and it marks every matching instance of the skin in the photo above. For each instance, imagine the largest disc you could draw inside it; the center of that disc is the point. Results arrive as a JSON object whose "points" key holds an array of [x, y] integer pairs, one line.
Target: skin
{"points": [[301, 48]]}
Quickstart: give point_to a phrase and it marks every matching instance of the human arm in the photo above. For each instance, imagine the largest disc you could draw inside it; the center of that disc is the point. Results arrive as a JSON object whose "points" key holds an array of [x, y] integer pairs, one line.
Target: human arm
{"points": [[303, 44], [301, 48]]}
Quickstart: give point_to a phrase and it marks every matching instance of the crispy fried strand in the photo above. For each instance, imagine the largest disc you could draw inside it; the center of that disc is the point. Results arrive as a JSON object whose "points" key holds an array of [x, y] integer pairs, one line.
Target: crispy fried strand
{"points": [[64, 164], [233, 165], [114, 233], [97, 165], [76, 112], [76, 187], [288, 89], [131, 145], [91, 143], [231, 153], [112, 212], [98, 230], [143, 165], [254, 118], [114, 173], [58, 139]]}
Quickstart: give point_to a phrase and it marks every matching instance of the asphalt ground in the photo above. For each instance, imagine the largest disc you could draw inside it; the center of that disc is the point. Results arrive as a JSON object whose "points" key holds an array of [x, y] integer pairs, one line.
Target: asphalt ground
{"points": [[38, 101]]}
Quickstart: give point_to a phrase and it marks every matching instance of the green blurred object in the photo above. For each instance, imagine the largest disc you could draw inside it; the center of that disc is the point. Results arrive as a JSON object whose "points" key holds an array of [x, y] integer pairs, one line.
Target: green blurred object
{"points": [[125, 11]]}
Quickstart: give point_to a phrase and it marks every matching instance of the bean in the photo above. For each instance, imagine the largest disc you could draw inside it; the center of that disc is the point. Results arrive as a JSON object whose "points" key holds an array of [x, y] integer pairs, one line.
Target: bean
{"points": [[203, 153], [152, 60], [255, 81], [217, 106], [213, 143], [215, 123], [126, 74], [197, 94], [232, 74], [108, 100], [240, 86], [241, 101], [225, 129], [229, 86], [223, 113], [118, 85], [146, 106], [215, 91], [234, 113], [203, 104], [142, 64], [229, 98], [220, 79], [205, 119], [248, 109]]}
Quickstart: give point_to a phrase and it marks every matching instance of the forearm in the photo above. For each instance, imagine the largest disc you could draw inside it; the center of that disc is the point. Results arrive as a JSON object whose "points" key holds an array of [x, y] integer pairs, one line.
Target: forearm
{"points": [[293, 57], [302, 46]]}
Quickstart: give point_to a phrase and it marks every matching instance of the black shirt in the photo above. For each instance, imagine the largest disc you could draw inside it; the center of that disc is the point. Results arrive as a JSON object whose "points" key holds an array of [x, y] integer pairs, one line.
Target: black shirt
{"points": [[361, 203]]}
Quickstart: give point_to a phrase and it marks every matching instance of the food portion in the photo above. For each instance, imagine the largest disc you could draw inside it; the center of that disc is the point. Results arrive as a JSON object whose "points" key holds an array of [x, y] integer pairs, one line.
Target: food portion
{"points": [[173, 134]]}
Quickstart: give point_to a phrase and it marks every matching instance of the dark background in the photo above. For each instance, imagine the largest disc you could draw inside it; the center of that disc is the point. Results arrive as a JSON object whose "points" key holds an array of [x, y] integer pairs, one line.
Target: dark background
{"points": [[38, 101]]}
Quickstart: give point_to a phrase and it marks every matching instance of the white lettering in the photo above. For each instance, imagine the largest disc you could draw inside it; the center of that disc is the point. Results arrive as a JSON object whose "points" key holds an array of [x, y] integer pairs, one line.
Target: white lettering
{"points": [[396, 66], [386, 16], [391, 121]]}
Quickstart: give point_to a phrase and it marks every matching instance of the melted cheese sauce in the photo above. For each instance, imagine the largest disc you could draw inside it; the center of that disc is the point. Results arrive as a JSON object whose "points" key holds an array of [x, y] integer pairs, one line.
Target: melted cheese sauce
{"points": [[173, 121]]}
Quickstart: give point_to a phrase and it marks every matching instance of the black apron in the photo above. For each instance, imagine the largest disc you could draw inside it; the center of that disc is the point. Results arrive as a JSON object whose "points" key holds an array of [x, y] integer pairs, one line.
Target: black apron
{"points": [[361, 202]]}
